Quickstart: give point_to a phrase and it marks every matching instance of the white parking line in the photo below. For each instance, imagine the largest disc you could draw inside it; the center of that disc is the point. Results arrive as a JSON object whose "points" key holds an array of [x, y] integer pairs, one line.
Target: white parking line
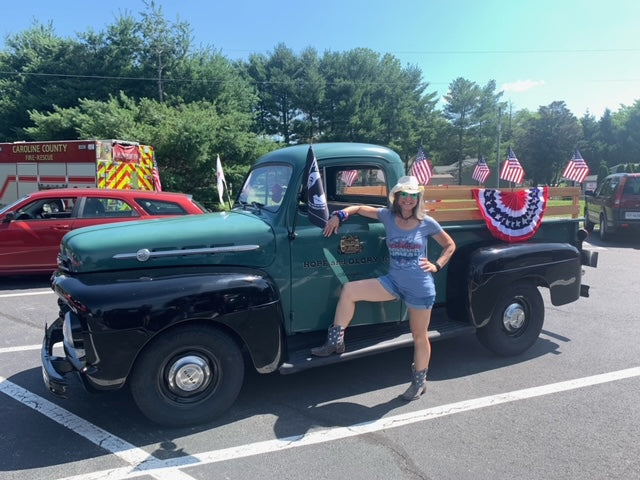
{"points": [[144, 464], [26, 294], [131, 454], [23, 348]]}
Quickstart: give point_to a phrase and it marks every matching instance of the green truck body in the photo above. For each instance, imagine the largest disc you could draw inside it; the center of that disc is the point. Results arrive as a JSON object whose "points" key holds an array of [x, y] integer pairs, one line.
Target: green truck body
{"points": [[178, 308]]}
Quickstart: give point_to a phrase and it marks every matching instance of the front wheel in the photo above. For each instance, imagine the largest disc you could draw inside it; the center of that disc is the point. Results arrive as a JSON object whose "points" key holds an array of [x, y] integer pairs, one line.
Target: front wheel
{"points": [[187, 376], [516, 321]]}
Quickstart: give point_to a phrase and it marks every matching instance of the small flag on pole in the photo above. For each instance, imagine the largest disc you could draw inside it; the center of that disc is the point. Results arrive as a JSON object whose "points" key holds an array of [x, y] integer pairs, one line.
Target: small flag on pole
{"points": [[512, 171], [421, 168], [222, 183], [577, 169], [349, 176], [316, 199], [481, 172]]}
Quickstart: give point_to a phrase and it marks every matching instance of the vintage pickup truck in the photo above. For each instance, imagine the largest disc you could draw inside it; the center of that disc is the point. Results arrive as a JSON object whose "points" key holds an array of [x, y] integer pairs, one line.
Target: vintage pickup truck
{"points": [[177, 309]]}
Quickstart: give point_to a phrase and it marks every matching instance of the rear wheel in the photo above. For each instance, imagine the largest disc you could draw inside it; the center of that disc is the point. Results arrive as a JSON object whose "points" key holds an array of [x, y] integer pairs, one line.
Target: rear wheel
{"points": [[516, 321], [605, 234], [588, 224], [187, 377]]}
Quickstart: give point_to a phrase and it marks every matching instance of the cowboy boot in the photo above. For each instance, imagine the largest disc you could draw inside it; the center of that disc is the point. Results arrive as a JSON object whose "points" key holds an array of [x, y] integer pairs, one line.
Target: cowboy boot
{"points": [[418, 385], [335, 342]]}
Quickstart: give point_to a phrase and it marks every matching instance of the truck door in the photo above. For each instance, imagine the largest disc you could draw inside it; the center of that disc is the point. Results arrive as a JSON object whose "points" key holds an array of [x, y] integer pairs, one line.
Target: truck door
{"points": [[320, 265]]}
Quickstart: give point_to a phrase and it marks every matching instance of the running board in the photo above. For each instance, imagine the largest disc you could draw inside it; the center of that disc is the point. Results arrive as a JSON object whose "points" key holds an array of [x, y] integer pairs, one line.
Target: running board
{"points": [[362, 346]]}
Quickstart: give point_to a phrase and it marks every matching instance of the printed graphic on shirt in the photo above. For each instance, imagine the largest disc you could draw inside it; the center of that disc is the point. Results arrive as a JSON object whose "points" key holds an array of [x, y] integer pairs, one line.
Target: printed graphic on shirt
{"points": [[405, 251]]}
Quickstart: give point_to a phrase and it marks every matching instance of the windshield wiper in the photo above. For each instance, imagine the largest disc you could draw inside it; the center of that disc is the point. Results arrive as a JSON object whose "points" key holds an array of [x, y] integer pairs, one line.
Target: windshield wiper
{"points": [[254, 204]]}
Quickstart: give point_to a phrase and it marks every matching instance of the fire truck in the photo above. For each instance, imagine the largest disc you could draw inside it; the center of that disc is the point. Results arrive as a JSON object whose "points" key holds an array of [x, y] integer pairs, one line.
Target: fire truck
{"points": [[26, 167]]}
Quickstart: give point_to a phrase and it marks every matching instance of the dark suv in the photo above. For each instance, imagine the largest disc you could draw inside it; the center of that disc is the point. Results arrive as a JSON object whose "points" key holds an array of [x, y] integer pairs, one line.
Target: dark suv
{"points": [[615, 205]]}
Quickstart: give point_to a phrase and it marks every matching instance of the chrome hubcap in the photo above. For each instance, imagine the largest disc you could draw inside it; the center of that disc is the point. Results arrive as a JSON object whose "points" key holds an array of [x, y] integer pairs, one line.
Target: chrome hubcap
{"points": [[513, 318], [188, 374]]}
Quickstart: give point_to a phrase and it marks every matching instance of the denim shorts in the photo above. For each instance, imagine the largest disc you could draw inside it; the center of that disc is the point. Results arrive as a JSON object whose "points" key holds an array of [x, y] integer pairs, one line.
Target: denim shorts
{"points": [[411, 301]]}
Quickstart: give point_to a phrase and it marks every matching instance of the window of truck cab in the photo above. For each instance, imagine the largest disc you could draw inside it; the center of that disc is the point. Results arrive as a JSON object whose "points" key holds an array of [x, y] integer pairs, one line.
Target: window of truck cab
{"points": [[357, 183], [266, 186]]}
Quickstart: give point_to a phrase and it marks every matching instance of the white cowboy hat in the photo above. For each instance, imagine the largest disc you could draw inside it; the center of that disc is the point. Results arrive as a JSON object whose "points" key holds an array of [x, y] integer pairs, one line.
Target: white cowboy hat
{"points": [[407, 184]]}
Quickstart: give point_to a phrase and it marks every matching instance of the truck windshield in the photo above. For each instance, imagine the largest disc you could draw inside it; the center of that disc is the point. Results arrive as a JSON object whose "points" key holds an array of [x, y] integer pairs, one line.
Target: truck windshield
{"points": [[266, 187]]}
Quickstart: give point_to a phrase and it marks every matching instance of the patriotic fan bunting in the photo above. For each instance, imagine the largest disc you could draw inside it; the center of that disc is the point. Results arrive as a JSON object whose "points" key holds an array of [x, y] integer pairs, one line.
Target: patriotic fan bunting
{"points": [[512, 216]]}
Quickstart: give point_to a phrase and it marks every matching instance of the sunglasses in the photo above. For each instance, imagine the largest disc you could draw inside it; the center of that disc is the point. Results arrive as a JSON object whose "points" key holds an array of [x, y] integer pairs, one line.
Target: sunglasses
{"points": [[406, 194]]}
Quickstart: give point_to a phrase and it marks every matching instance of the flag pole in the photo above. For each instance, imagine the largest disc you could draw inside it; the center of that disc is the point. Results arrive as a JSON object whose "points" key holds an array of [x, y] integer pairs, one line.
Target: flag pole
{"points": [[498, 157], [228, 196]]}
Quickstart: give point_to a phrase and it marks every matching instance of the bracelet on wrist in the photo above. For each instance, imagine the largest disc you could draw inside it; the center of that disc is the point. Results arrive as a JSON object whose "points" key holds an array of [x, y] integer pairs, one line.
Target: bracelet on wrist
{"points": [[341, 214], [438, 266]]}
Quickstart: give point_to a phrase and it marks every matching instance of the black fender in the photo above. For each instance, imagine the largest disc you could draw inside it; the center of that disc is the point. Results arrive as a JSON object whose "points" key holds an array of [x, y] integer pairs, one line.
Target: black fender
{"points": [[491, 269], [120, 313]]}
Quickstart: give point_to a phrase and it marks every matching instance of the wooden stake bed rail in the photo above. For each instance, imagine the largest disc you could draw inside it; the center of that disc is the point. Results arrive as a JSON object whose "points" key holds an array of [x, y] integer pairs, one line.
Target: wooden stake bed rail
{"points": [[456, 203]]}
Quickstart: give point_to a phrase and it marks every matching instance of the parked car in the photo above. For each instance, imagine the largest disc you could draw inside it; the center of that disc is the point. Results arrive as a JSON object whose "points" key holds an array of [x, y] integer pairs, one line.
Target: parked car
{"points": [[614, 206], [32, 227]]}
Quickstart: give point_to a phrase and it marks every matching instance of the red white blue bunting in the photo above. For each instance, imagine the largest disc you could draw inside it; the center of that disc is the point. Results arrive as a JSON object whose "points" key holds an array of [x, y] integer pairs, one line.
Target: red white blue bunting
{"points": [[512, 216]]}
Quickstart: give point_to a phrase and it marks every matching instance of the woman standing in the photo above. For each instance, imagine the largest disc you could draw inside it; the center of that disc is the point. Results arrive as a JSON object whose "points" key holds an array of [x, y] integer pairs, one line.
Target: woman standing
{"points": [[409, 278]]}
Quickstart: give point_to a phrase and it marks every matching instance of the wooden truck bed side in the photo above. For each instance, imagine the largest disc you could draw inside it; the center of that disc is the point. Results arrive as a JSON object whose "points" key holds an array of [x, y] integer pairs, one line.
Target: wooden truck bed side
{"points": [[455, 203]]}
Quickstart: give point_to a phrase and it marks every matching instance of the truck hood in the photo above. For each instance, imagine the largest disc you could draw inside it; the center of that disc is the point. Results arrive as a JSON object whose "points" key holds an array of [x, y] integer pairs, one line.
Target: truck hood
{"points": [[227, 238]]}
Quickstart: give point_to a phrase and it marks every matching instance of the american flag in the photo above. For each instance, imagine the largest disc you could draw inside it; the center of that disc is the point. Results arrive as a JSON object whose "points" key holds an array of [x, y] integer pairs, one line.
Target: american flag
{"points": [[481, 172], [349, 176], [421, 168], [512, 171], [577, 169]]}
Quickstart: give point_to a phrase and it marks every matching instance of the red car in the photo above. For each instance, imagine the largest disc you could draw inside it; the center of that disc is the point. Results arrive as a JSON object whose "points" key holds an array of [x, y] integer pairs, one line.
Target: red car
{"points": [[33, 226]]}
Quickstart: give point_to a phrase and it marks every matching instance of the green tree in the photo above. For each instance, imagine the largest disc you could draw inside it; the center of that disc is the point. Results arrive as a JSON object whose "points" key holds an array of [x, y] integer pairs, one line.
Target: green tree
{"points": [[187, 137], [603, 171], [627, 132], [487, 117], [164, 45], [462, 103], [37, 68], [608, 144], [310, 95], [277, 77], [548, 143], [590, 145]]}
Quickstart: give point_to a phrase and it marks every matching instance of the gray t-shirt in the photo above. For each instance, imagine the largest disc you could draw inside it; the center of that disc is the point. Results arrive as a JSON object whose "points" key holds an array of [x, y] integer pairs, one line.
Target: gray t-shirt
{"points": [[405, 249]]}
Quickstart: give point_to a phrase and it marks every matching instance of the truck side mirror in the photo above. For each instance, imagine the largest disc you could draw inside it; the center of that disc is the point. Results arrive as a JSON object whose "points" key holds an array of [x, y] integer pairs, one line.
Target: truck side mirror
{"points": [[9, 217]]}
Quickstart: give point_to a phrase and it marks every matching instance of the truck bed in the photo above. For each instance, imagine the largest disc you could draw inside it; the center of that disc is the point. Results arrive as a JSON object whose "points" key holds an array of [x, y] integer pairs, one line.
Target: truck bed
{"points": [[451, 203]]}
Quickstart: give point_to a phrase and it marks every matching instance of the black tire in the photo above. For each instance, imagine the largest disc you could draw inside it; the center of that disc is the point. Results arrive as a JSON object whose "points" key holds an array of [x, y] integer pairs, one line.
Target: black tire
{"points": [[516, 321], [588, 225], [604, 231], [187, 376]]}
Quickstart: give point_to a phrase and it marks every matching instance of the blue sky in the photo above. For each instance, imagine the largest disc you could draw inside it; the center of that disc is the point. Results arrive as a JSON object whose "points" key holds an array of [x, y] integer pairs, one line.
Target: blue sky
{"points": [[586, 52]]}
